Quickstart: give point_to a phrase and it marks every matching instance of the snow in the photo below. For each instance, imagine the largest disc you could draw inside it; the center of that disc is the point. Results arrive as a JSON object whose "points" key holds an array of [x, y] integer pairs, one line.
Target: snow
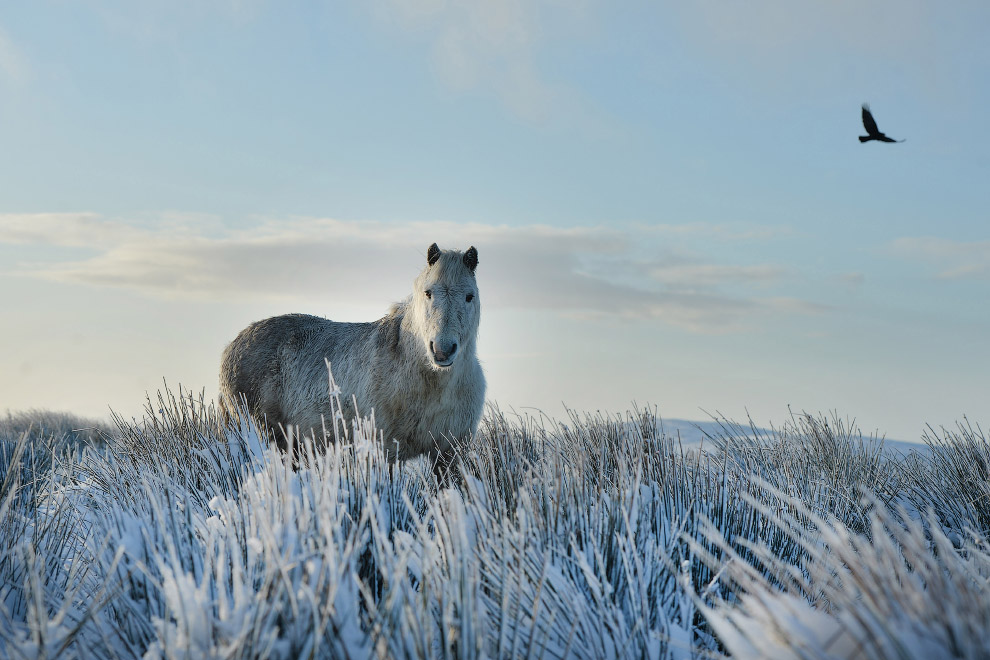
{"points": [[600, 538]]}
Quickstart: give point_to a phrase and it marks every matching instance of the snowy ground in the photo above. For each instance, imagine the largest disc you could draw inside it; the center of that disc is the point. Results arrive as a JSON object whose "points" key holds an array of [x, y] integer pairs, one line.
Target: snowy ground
{"points": [[597, 537]]}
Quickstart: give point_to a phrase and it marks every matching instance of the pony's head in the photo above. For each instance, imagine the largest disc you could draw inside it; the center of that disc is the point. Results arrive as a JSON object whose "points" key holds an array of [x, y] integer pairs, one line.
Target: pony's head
{"points": [[445, 308]]}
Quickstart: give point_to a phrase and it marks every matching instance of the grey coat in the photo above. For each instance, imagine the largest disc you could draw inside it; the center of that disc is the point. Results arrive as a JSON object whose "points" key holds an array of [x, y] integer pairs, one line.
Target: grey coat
{"points": [[416, 368]]}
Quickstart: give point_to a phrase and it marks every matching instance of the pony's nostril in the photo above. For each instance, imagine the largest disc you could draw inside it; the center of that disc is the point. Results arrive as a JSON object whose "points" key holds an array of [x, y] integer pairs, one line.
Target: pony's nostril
{"points": [[441, 354]]}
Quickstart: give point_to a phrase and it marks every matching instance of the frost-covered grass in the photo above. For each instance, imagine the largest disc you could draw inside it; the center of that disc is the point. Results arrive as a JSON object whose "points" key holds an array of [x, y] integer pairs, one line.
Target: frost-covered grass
{"points": [[595, 537], [59, 431]]}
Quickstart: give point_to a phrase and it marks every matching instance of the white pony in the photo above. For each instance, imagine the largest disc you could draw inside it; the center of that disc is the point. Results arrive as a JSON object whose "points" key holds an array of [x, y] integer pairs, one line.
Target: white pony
{"points": [[416, 368]]}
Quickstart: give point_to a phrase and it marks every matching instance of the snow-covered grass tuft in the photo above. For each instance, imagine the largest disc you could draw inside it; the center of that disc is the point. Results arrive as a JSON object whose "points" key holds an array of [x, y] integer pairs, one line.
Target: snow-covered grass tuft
{"points": [[900, 589], [188, 536], [954, 481]]}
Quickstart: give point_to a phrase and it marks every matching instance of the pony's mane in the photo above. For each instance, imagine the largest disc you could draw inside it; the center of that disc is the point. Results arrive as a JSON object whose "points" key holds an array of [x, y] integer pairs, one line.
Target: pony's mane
{"points": [[398, 309]]}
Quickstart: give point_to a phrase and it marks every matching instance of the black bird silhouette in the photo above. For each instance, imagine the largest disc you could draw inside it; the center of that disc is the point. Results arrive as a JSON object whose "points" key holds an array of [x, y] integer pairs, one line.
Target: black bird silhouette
{"points": [[873, 133]]}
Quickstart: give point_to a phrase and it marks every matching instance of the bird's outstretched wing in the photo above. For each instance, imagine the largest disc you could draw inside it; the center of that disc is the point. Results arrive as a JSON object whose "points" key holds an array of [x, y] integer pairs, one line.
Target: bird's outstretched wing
{"points": [[869, 123]]}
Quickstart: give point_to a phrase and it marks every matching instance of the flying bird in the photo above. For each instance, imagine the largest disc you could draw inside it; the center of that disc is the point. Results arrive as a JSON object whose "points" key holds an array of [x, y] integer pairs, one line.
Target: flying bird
{"points": [[873, 133]]}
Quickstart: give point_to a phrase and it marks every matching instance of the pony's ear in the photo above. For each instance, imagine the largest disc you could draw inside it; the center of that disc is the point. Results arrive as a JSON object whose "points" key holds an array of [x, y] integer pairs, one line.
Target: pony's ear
{"points": [[471, 258], [432, 254]]}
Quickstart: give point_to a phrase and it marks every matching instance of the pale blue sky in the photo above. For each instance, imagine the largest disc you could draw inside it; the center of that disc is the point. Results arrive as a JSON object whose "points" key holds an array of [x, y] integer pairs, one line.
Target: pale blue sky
{"points": [[669, 200]]}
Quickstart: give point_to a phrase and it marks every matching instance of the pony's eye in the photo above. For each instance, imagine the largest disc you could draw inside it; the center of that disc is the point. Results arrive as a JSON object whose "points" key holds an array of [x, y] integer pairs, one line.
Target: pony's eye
{"points": [[429, 294], [469, 297]]}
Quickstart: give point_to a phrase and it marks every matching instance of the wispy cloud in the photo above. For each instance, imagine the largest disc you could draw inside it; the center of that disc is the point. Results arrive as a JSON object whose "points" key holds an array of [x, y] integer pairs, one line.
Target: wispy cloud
{"points": [[489, 45], [952, 259], [879, 27], [701, 275], [721, 232], [65, 230], [574, 271], [808, 43], [853, 279], [13, 65], [164, 22]]}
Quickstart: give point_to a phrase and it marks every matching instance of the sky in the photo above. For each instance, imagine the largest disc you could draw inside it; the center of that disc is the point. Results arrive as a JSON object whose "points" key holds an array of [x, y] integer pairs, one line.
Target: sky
{"points": [[669, 201]]}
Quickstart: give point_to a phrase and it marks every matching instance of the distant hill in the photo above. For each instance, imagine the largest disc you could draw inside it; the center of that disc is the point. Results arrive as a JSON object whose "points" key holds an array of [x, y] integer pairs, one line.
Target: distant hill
{"points": [[700, 433]]}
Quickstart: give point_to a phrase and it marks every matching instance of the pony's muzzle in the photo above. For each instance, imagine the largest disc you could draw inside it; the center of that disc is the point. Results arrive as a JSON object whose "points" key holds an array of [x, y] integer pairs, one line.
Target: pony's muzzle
{"points": [[443, 357]]}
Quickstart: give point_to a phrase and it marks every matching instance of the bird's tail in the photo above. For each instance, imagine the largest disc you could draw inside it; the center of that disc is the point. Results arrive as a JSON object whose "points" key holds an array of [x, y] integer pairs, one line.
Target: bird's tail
{"points": [[864, 138]]}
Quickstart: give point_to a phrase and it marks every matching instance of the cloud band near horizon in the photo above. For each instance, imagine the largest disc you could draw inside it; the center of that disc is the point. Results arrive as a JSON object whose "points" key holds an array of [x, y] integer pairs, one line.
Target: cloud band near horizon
{"points": [[573, 271]]}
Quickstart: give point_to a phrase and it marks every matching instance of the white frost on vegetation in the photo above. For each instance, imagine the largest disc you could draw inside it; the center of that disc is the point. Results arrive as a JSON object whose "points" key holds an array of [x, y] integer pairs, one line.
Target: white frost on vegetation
{"points": [[184, 537]]}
